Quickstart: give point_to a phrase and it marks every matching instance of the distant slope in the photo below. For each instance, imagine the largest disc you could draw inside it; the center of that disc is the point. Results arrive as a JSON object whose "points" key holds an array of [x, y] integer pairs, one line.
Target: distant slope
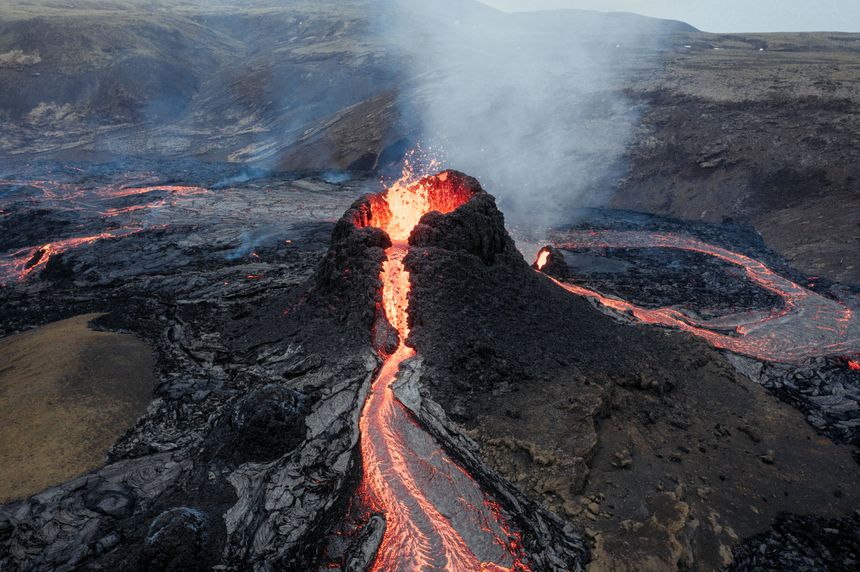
{"points": [[753, 127], [249, 81], [135, 78], [605, 21], [759, 128]]}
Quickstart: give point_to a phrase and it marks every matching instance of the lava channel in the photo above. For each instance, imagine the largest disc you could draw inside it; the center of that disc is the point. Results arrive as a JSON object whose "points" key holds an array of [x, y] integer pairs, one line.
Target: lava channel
{"points": [[807, 325], [437, 516]]}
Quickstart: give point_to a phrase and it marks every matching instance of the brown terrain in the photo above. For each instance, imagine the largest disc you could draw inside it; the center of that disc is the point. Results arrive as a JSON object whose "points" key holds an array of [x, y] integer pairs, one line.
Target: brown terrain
{"points": [[67, 393], [665, 481]]}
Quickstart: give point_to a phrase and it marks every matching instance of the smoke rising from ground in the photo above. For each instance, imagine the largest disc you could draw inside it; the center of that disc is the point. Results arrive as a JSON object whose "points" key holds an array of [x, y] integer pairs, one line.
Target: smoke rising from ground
{"points": [[531, 104]]}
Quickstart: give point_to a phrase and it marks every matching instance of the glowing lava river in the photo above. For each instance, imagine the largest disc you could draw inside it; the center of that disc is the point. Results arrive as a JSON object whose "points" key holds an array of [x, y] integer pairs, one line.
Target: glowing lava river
{"points": [[437, 516], [806, 325]]}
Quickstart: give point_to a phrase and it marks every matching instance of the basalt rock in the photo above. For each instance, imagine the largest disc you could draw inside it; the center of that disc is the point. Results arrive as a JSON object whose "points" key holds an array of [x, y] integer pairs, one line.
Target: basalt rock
{"points": [[175, 541], [347, 281], [266, 424], [363, 550], [802, 543], [477, 227], [110, 499]]}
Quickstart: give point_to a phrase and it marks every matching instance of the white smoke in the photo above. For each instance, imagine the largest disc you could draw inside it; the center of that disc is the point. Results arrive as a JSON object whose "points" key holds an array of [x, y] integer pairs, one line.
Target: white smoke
{"points": [[530, 104]]}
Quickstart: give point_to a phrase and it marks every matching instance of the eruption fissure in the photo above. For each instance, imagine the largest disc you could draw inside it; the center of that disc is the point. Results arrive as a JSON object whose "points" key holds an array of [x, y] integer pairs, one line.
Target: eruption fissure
{"points": [[437, 516], [806, 325]]}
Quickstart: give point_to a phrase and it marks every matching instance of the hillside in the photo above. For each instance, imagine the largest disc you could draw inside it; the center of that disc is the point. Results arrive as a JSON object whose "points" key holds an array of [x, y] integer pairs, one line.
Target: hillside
{"points": [[758, 128]]}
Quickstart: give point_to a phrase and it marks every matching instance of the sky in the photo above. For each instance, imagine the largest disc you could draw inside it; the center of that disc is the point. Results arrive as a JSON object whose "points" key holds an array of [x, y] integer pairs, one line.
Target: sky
{"points": [[720, 15]]}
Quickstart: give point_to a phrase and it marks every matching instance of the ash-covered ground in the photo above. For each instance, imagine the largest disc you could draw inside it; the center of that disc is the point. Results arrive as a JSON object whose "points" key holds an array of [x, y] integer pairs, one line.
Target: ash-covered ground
{"points": [[643, 444]]}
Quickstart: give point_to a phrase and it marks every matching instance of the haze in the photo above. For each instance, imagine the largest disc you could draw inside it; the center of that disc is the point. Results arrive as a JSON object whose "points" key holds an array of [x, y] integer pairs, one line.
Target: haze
{"points": [[720, 16]]}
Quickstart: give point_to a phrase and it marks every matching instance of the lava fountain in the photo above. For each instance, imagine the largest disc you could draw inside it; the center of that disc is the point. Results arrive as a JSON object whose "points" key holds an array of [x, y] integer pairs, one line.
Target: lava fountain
{"points": [[806, 325], [437, 516]]}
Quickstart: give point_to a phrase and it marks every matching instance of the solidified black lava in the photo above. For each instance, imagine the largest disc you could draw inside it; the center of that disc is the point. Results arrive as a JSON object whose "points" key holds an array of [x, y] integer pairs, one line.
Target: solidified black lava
{"points": [[802, 544], [346, 286], [266, 424], [175, 541], [661, 277], [249, 451]]}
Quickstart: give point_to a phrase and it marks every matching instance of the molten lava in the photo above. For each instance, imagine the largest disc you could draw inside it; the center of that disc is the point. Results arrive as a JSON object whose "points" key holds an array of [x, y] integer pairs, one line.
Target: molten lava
{"points": [[407, 200], [58, 196], [542, 259], [807, 325], [177, 190], [437, 517], [19, 265]]}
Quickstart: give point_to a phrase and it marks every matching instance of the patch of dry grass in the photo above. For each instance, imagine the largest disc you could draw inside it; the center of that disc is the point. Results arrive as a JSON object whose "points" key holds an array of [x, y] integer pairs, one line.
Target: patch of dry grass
{"points": [[67, 393]]}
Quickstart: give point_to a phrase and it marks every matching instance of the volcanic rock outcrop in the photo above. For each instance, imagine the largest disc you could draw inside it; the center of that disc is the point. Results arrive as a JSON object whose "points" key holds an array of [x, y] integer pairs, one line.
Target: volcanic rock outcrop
{"points": [[551, 262]]}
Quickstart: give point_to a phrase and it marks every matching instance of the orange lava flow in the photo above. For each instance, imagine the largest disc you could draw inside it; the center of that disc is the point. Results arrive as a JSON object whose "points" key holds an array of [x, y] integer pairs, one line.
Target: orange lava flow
{"points": [[419, 535], [22, 263], [807, 325], [386, 471], [543, 257], [178, 190]]}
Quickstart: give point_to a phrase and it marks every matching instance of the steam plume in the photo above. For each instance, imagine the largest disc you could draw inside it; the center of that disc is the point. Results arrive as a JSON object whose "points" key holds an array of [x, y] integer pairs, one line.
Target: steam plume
{"points": [[531, 104]]}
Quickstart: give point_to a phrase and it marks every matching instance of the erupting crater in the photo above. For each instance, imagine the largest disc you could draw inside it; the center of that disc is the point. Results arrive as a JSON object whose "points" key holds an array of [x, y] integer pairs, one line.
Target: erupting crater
{"points": [[437, 516]]}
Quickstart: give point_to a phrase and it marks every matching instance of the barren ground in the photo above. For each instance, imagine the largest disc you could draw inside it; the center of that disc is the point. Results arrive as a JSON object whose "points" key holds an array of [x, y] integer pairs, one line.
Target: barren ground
{"points": [[757, 128], [67, 393]]}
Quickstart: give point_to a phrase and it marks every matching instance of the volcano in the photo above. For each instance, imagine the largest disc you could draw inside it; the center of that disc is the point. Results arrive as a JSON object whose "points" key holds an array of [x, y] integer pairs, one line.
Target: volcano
{"points": [[248, 321], [396, 479], [436, 513], [398, 388]]}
